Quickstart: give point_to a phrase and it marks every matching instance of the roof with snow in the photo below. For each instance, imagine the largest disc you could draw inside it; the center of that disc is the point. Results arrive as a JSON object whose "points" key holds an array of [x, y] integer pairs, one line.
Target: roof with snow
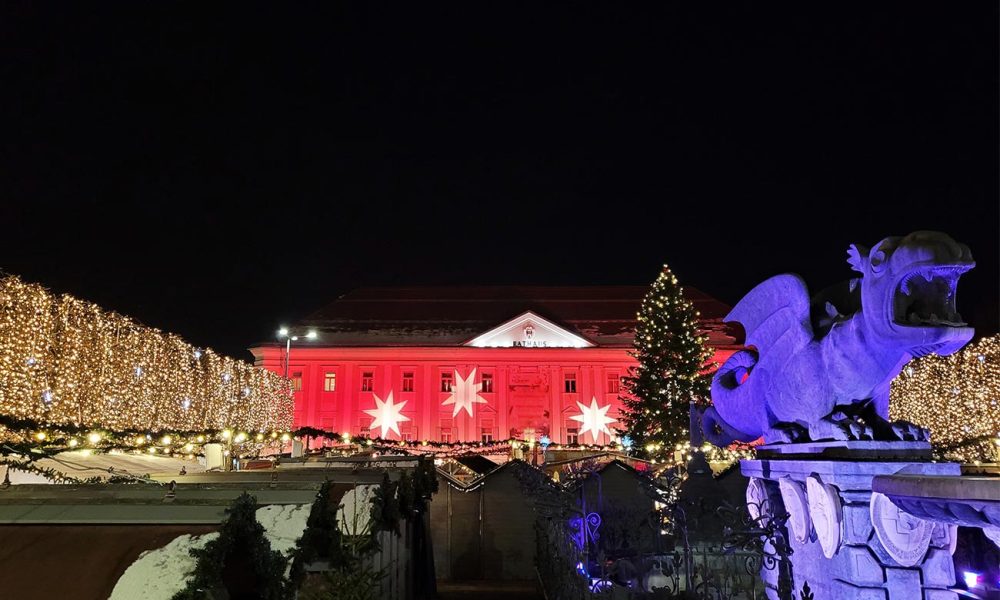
{"points": [[477, 463], [454, 315]]}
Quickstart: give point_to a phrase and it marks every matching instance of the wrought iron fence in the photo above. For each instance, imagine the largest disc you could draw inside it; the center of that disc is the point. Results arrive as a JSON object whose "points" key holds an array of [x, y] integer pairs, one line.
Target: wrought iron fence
{"points": [[583, 555]]}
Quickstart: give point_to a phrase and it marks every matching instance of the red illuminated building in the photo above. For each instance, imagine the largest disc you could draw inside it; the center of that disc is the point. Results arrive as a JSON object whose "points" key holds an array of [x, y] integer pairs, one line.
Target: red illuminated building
{"points": [[456, 364]]}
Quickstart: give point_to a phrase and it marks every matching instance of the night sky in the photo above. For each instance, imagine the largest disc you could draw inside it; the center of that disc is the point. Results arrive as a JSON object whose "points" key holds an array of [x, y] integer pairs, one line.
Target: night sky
{"points": [[219, 169]]}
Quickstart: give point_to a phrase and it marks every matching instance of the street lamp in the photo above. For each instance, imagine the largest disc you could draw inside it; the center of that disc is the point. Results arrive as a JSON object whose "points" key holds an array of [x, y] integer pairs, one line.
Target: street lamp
{"points": [[284, 333]]}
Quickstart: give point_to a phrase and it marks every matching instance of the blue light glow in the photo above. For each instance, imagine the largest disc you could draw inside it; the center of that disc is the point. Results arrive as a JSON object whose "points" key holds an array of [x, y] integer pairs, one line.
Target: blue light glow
{"points": [[598, 585], [972, 579]]}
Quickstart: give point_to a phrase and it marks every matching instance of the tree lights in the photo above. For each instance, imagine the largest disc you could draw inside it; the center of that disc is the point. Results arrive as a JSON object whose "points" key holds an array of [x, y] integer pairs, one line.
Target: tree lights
{"points": [[957, 397], [672, 358], [63, 360]]}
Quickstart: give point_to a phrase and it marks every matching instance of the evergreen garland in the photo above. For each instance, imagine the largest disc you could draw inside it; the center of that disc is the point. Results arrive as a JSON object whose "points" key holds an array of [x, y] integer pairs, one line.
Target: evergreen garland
{"points": [[426, 482], [240, 534], [347, 576], [387, 509], [672, 357], [321, 540]]}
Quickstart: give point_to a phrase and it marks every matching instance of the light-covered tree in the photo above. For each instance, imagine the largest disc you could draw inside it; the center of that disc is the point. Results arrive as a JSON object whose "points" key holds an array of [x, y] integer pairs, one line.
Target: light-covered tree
{"points": [[672, 356]]}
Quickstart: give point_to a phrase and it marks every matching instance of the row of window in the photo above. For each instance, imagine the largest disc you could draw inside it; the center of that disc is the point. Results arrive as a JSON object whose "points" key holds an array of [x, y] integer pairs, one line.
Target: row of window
{"points": [[445, 434], [447, 381]]}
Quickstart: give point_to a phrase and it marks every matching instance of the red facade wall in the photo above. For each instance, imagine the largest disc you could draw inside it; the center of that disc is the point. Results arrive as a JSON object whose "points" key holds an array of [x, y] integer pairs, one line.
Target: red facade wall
{"points": [[529, 388]]}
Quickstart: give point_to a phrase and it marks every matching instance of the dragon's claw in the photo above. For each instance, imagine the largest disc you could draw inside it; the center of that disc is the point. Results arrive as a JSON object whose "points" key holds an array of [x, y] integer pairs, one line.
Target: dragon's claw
{"points": [[787, 433], [902, 430], [840, 429]]}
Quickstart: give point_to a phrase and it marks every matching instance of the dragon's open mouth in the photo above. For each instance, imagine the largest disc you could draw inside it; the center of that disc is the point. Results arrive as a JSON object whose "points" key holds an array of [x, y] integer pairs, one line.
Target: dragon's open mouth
{"points": [[925, 297]]}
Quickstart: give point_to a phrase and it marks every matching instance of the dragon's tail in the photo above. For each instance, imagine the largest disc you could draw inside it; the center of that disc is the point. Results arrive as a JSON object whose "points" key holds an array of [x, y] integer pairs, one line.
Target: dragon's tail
{"points": [[729, 393]]}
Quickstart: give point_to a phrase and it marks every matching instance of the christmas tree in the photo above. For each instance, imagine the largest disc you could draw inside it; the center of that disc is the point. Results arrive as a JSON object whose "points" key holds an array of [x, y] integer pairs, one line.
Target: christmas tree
{"points": [[672, 357]]}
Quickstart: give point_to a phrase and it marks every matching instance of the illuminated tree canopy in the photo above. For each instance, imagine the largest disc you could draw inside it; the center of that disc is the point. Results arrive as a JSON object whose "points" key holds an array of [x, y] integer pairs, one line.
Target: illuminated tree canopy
{"points": [[957, 397], [64, 360], [672, 355]]}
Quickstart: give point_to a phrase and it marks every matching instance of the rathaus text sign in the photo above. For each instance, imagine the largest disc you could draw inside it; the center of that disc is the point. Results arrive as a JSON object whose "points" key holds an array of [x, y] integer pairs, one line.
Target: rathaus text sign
{"points": [[529, 331]]}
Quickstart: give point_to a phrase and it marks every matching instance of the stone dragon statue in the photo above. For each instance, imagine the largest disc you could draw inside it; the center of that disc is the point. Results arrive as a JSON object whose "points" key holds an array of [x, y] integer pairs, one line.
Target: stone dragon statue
{"points": [[820, 370]]}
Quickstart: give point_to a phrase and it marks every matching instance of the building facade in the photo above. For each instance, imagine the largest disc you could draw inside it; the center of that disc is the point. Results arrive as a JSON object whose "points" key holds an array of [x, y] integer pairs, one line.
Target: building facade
{"points": [[471, 364]]}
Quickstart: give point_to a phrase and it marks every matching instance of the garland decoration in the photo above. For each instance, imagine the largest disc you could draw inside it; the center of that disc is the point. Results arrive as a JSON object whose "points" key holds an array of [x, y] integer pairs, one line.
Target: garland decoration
{"points": [[387, 505], [321, 540], [240, 538], [55, 437]]}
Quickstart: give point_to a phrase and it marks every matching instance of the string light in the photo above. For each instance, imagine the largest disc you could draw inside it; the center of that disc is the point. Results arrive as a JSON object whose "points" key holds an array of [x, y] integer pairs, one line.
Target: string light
{"points": [[673, 357], [957, 397], [65, 360]]}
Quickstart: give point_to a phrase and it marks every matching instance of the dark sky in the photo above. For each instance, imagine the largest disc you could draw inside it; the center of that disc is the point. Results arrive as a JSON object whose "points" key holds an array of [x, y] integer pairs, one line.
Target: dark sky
{"points": [[218, 169]]}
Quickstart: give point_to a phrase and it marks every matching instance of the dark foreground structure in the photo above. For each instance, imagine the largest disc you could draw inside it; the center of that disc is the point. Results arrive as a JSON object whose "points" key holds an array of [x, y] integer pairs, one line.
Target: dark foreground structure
{"points": [[76, 541]]}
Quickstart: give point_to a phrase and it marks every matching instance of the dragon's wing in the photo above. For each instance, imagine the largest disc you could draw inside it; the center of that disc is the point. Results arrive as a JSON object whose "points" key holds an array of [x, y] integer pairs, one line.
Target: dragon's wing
{"points": [[777, 309]]}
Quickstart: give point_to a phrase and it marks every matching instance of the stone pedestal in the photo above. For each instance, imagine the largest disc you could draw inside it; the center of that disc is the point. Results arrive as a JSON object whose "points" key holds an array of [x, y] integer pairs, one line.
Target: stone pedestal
{"points": [[843, 544]]}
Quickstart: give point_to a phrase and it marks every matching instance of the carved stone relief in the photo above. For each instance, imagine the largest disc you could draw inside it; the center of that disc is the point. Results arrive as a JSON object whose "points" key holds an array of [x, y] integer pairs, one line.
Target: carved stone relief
{"points": [[904, 537], [793, 495], [827, 514]]}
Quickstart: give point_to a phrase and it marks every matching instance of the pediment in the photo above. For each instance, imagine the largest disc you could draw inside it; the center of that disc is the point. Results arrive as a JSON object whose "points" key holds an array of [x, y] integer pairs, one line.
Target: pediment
{"points": [[529, 330]]}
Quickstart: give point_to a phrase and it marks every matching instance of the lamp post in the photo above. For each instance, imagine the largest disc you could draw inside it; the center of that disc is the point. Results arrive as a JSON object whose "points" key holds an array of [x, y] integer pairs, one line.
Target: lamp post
{"points": [[289, 338], [284, 333]]}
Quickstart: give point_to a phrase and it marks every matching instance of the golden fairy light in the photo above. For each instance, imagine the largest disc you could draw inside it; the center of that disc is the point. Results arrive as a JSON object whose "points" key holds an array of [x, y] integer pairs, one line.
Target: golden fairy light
{"points": [[64, 360], [957, 397]]}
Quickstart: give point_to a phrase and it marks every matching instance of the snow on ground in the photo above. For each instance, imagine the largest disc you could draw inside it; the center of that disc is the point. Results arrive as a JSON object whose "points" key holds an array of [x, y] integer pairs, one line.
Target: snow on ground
{"points": [[355, 514], [284, 524], [84, 464], [161, 573]]}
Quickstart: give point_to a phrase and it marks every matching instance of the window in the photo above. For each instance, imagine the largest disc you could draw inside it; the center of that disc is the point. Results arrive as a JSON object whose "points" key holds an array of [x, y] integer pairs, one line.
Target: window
{"points": [[446, 380], [408, 381], [487, 432], [409, 434], [297, 381], [330, 382], [366, 425], [368, 381], [614, 383], [569, 383], [487, 383], [572, 436], [446, 425]]}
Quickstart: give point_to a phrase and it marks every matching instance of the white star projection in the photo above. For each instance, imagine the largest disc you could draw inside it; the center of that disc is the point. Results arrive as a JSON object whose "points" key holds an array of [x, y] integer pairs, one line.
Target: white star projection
{"points": [[595, 419], [464, 393], [387, 415]]}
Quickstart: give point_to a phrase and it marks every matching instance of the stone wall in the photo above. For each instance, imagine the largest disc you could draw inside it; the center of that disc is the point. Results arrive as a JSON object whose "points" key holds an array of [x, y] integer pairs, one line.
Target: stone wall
{"points": [[836, 549]]}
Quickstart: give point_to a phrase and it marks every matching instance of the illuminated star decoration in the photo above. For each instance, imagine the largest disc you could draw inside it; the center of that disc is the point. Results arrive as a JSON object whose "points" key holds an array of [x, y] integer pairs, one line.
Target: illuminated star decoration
{"points": [[595, 419], [464, 394], [387, 415]]}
